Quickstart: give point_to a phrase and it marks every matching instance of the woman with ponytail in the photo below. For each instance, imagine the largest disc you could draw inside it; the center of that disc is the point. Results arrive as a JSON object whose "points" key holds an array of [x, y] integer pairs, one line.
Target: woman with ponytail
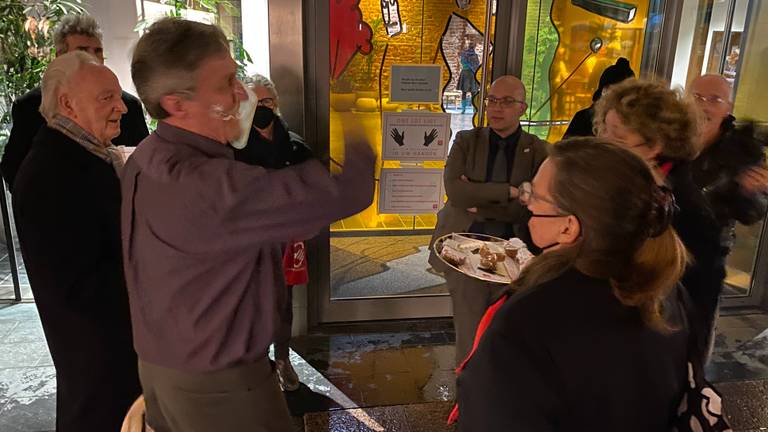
{"points": [[594, 337]]}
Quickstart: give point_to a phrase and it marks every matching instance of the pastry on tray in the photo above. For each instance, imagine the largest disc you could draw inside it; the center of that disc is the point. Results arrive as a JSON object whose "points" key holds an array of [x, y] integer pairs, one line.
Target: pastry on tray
{"points": [[492, 259], [453, 256], [513, 246], [494, 249]]}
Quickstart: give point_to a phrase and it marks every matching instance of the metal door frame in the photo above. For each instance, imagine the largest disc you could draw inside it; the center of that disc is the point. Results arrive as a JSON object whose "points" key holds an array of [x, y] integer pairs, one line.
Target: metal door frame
{"points": [[758, 290], [10, 243]]}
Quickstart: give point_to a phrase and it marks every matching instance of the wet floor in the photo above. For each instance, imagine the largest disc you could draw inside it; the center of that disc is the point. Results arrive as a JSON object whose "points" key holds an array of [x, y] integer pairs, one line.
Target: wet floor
{"points": [[382, 377]]}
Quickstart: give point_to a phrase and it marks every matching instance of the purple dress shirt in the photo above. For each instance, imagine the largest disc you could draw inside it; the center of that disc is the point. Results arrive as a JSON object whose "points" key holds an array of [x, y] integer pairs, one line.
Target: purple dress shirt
{"points": [[202, 236]]}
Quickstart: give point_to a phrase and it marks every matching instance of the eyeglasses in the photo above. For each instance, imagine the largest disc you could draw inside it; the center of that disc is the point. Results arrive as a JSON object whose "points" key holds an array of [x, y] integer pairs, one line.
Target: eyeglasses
{"points": [[267, 102], [526, 196], [709, 99], [505, 102]]}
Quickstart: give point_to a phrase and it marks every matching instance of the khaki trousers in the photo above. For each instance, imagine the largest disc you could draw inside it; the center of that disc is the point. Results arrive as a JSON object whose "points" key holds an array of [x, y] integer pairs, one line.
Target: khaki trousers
{"points": [[241, 398], [470, 298]]}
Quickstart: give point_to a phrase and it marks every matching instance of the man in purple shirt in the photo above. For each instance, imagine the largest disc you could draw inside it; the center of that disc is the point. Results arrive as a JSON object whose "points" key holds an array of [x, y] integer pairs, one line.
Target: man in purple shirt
{"points": [[202, 236]]}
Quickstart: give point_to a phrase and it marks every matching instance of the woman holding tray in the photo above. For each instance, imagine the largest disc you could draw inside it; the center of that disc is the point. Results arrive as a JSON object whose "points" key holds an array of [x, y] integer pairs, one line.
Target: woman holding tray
{"points": [[595, 338]]}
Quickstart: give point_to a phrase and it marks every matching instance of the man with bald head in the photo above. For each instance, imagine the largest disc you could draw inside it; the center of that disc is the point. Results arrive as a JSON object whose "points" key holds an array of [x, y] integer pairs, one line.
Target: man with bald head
{"points": [[730, 170], [484, 168], [67, 210]]}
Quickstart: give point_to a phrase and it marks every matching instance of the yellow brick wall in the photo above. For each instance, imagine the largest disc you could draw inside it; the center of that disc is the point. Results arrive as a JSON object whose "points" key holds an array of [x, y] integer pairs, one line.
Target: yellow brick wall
{"points": [[418, 44]]}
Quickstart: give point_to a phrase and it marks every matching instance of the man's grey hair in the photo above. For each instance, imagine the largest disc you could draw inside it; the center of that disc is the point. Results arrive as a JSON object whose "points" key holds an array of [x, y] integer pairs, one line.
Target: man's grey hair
{"points": [[74, 24], [167, 57], [262, 81], [58, 73]]}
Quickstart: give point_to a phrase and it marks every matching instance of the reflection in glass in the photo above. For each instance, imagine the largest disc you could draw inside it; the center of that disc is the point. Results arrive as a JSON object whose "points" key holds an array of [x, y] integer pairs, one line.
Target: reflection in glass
{"points": [[568, 45]]}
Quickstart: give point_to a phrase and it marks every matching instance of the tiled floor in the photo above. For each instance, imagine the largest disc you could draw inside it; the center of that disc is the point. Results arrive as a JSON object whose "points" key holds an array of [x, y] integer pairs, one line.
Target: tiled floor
{"points": [[27, 376], [397, 379]]}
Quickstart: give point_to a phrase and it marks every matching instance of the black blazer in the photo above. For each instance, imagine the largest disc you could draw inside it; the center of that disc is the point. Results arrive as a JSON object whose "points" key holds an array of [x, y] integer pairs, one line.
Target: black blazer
{"points": [[67, 209], [568, 356], [27, 120]]}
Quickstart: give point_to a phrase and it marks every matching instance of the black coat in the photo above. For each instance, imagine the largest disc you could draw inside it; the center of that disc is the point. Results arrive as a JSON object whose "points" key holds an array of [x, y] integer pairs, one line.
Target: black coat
{"points": [[285, 149], [581, 124], [716, 171], [27, 120], [67, 209], [697, 227], [568, 356]]}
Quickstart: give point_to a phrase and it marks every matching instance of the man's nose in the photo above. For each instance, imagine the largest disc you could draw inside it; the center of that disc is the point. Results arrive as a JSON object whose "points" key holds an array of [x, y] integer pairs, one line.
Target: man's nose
{"points": [[121, 106]]}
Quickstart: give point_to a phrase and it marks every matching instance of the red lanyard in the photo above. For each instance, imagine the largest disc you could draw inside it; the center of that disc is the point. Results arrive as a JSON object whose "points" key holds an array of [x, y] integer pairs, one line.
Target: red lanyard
{"points": [[666, 167]]}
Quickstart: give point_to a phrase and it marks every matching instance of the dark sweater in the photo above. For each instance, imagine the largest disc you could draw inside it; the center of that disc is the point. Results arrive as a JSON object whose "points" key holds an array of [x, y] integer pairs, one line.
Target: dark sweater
{"points": [[568, 356], [202, 238]]}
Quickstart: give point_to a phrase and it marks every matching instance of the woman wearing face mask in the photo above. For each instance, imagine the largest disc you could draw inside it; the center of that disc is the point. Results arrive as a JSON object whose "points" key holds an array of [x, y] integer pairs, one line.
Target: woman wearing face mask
{"points": [[594, 338], [661, 127], [271, 145]]}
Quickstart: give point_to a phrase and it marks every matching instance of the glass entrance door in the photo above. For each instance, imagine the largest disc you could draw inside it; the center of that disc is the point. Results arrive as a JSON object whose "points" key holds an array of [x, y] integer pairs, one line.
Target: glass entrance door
{"points": [[730, 38], [377, 260], [568, 44]]}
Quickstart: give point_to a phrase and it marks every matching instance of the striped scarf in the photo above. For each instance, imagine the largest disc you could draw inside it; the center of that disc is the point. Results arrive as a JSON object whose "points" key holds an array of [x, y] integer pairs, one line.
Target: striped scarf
{"points": [[109, 153]]}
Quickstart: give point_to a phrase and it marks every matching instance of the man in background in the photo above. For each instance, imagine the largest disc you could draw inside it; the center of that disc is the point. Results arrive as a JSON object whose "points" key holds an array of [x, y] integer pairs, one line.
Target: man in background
{"points": [[730, 170], [484, 168], [72, 33]]}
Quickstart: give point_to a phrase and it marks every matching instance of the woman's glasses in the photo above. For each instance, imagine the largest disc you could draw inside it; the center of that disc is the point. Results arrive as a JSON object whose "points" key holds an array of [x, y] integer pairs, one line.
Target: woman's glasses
{"points": [[526, 196]]}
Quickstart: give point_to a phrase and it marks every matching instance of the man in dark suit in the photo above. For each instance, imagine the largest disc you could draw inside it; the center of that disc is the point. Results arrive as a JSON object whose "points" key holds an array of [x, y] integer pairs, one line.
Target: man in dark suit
{"points": [[73, 33], [484, 168], [67, 208]]}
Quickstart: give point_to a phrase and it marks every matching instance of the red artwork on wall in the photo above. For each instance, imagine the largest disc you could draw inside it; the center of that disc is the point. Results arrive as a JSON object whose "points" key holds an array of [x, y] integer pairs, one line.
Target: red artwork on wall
{"points": [[349, 34]]}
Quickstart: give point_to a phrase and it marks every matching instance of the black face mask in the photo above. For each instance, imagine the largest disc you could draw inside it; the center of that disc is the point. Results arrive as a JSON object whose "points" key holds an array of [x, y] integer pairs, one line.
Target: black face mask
{"points": [[549, 246], [263, 117]]}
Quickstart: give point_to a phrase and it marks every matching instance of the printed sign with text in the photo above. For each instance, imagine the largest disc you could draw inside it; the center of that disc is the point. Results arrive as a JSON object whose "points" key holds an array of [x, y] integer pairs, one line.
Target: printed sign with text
{"points": [[415, 83], [415, 136], [410, 190]]}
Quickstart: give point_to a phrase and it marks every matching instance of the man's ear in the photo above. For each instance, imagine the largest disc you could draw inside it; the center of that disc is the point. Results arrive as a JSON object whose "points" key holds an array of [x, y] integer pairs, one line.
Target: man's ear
{"points": [[66, 105], [523, 109], [174, 105]]}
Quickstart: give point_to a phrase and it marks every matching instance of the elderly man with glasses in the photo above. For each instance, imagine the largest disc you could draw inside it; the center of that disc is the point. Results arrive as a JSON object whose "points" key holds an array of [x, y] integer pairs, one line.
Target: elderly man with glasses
{"points": [[484, 168], [731, 169]]}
